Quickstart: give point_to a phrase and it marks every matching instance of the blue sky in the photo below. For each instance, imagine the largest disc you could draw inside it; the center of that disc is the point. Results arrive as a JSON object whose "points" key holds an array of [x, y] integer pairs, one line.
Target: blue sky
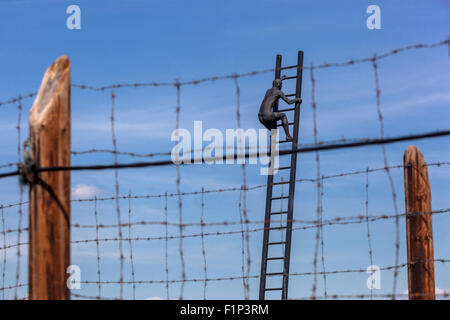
{"points": [[145, 41]]}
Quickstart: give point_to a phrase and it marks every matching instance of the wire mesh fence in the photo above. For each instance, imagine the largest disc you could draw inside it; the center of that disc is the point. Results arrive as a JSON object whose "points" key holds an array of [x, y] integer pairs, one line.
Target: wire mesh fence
{"points": [[151, 253]]}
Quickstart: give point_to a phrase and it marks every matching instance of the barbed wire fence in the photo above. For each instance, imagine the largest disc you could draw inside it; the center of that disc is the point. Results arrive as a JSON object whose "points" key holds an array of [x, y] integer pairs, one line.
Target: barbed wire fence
{"points": [[246, 227]]}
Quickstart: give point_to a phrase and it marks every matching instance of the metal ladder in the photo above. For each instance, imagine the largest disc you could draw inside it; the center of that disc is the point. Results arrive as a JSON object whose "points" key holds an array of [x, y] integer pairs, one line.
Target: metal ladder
{"points": [[287, 226]]}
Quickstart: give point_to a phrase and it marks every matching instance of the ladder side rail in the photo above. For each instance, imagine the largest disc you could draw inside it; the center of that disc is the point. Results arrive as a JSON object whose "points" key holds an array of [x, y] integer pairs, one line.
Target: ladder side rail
{"points": [[287, 254], [262, 280]]}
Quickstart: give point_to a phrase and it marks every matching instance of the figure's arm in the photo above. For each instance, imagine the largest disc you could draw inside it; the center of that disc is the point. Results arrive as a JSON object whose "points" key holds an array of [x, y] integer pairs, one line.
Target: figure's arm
{"points": [[285, 99]]}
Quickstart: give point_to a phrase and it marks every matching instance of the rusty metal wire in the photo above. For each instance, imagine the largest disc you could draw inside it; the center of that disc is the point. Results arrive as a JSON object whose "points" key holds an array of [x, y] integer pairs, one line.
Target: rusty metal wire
{"points": [[339, 220], [293, 274], [322, 243], [97, 244], [361, 142], [363, 296], [388, 173], [19, 97], [205, 266], [20, 285], [180, 200], [243, 233], [369, 240], [4, 251], [244, 186], [238, 188], [130, 243], [116, 181], [123, 153], [8, 165], [170, 84], [166, 253], [21, 192], [384, 55], [319, 182], [239, 75]]}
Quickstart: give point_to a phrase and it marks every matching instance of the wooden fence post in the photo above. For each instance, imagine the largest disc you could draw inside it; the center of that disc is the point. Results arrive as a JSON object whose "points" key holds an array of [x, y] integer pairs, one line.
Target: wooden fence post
{"points": [[419, 228], [49, 212]]}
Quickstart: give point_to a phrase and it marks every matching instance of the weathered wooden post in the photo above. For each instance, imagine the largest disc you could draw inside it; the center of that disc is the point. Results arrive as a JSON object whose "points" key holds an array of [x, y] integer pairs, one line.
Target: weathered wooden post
{"points": [[49, 225], [419, 229]]}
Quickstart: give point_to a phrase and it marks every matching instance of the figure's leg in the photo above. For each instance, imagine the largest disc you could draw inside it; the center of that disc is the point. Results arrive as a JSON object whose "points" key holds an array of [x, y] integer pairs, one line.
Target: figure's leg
{"points": [[281, 116]]}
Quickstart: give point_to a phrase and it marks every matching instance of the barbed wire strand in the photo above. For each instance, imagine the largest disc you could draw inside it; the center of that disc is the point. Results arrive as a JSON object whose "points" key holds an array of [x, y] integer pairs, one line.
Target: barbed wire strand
{"points": [[238, 188], [178, 182], [322, 242], [312, 224], [361, 142], [388, 173], [8, 165], [257, 72], [202, 221], [97, 244], [332, 296], [4, 251], [123, 153], [336, 221], [339, 220], [244, 183], [19, 96], [21, 192], [369, 238], [379, 295], [294, 274], [130, 244], [117, 190], [166, 253], [195, 151], [247, 74], [317, 160], [14, 287], [241, 221]]}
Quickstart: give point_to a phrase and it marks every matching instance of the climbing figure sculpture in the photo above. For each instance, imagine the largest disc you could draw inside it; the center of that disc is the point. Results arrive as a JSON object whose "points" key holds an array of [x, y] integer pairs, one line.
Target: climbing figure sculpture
{"points": [[267, 116]]}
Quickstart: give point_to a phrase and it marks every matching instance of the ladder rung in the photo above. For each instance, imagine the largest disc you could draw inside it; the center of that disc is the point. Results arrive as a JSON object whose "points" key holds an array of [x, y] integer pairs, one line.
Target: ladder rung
{"points": [[291, 95], [286, 110], [275, 274], [279, 212], [280, 124], [291, 77], [283, 182], [276, 243], [288, 67], [279, 198], [277, 228], [273, 289], [275, 258], [284, 168], [285, 141]]}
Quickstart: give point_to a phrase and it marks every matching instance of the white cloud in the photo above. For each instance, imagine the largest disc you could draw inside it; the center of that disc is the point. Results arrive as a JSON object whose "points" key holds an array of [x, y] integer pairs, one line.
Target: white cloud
{"points": [[85, 191], [154, 298]]}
